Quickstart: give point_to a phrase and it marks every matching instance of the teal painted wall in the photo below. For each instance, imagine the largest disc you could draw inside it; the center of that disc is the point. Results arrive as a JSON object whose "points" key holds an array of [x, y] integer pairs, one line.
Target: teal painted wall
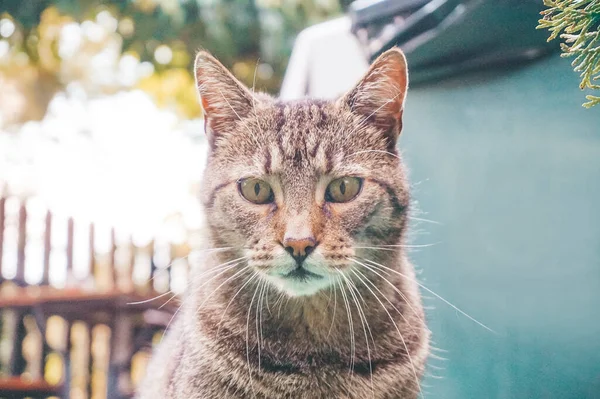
{"points": [[509, 164]]}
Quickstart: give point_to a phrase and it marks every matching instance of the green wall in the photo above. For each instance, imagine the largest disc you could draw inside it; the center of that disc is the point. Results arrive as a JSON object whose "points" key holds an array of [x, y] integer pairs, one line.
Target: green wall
{"points": [[508, 162]]}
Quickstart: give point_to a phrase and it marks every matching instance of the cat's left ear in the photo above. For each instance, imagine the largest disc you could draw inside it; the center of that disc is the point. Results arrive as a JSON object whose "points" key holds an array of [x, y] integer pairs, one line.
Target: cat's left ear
{"points": [[225, 100], [381, 92]]}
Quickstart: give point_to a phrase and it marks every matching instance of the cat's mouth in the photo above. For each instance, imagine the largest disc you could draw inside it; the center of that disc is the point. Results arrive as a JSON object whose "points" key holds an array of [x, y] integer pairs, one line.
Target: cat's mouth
{"points": [[301, 274]]}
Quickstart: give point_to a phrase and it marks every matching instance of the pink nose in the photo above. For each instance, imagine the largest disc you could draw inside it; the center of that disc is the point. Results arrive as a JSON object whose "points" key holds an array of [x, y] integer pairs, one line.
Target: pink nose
{"points": [[299, 248]]}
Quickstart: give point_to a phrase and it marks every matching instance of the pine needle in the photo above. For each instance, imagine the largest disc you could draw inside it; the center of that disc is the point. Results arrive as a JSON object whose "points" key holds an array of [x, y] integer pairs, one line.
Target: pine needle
{"points": [[577, 23]]}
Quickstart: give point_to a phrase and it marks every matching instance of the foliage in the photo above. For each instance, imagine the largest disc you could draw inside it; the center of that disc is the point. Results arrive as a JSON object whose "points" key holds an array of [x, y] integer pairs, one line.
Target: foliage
{"points": [[578, 23], [110, 45]]}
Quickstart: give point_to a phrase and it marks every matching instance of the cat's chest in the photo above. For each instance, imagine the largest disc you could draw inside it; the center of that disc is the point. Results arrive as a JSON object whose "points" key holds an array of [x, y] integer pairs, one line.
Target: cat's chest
{"points": [[225, 376]]}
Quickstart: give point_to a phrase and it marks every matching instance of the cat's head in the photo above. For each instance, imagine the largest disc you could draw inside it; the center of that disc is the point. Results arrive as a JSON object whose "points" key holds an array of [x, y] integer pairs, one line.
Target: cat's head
{"points": [[305, 189]]}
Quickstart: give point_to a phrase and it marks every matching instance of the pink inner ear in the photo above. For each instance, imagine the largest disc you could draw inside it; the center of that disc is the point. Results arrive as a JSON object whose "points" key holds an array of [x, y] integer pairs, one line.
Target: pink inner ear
{"points": [[393, 108], [204, 106]]}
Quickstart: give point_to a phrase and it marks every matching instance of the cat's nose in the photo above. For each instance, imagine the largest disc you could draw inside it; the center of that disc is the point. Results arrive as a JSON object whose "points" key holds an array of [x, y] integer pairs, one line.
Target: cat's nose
{"points": [[299, 248]]}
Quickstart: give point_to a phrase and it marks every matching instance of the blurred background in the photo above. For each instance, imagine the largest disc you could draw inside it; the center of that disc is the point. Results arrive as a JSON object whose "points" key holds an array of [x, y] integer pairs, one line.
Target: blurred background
{"points": [[102, 148]]}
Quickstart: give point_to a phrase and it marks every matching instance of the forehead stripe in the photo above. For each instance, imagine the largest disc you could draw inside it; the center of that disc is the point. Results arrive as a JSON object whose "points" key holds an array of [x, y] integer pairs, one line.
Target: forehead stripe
{"points": [[267, 164]]}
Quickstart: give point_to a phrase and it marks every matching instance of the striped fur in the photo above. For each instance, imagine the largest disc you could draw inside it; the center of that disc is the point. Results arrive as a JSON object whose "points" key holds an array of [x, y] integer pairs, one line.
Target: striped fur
{"points": [[239, 334]]}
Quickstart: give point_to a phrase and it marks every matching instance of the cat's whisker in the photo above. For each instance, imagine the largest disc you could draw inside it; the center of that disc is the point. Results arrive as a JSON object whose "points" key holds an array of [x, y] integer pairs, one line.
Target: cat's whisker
{"points": [[354, 288], [352, 285], [248, 340], [220, 269], [431, 292], [350, 324], [194, 252], [404, 245], [151, 299], [404, 298], [254, 275], [171, 320], [168, 301], [263, 294], [378, 248], [267, 301], [360, 294], [189, 296], [223, 266], [326, 295], [334, 289], [165, 269], [362, 277], [234, 276], [218, 249], [280, 302], [256, 322], [424, 220], [399, 333], [362, 317]]}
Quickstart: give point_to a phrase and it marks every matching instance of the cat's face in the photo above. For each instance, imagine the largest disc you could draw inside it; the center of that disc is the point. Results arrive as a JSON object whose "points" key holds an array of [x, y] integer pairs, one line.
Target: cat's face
{"points": [[305, 189]]}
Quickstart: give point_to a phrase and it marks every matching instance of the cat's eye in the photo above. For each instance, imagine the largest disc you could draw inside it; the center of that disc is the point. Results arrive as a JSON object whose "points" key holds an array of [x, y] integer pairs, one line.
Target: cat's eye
{"points": [[343, 189], [256, 191]]}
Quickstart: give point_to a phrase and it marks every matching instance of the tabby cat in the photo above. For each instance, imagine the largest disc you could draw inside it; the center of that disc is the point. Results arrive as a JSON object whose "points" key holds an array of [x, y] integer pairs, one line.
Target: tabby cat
{"points": [[305, 290]]}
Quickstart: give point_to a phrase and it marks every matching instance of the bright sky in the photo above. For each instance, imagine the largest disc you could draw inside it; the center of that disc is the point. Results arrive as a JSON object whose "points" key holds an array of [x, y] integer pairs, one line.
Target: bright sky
{"points": [[116, 160]]}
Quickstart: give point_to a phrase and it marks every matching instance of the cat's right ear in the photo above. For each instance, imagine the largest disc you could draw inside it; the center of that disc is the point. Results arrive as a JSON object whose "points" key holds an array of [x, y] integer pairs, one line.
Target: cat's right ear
{"points": [[380, 94], [224, 99]]}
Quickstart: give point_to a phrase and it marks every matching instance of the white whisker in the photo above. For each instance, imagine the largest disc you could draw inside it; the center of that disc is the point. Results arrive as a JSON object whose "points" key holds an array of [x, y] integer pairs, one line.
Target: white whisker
{"points": [[425, 220], [362, 317], [400, 334], [220, 268], [189, 296], [433, 293], [254, 275], [404, 298], [166, 268], [350, 325], [151, 299], [334, 289], [248, 340], [167, 301], [378, 248], [403, 245], [258, 315], [280, 302], [234, 276]]}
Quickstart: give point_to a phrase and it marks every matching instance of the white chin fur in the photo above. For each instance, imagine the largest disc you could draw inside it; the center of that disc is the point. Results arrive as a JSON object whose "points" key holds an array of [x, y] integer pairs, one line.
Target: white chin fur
{"points": [[297, 288]]}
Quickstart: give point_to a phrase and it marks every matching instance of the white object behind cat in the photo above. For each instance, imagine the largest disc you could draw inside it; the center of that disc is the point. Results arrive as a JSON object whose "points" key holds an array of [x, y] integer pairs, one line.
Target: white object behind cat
{"points": [[326, 61]]}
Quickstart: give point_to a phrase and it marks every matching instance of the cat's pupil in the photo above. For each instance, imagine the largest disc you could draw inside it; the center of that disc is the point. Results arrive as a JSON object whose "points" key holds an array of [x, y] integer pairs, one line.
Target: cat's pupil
{"points": [[343, 187], [256, 189]]}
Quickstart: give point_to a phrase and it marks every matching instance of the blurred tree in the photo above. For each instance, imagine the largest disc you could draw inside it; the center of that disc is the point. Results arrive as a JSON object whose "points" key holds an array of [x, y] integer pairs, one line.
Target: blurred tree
{"points": [[578, 23], [61, 41]]}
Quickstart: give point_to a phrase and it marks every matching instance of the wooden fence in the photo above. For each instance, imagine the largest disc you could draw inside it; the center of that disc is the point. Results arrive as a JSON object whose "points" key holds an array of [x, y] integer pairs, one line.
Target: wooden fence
{"points": [[85, 334]]}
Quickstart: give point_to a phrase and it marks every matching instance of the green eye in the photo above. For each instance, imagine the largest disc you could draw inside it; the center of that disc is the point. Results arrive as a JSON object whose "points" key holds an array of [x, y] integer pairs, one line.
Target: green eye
{"points": [[343, 189], [256, 191]]}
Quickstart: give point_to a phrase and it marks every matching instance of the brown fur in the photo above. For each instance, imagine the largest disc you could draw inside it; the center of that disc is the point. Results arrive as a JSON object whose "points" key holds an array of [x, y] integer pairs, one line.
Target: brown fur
{"points": [[238, 334]]}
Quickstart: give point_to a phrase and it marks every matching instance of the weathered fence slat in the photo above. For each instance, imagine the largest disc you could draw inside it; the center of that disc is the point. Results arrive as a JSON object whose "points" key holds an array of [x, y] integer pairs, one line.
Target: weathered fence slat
{"points": [[22, 241], [2, 222], [47, 248]]}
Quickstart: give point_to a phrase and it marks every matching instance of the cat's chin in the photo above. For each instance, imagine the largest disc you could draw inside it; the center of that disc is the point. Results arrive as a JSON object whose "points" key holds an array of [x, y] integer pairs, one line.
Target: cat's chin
{"points": [[298, 286]]}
